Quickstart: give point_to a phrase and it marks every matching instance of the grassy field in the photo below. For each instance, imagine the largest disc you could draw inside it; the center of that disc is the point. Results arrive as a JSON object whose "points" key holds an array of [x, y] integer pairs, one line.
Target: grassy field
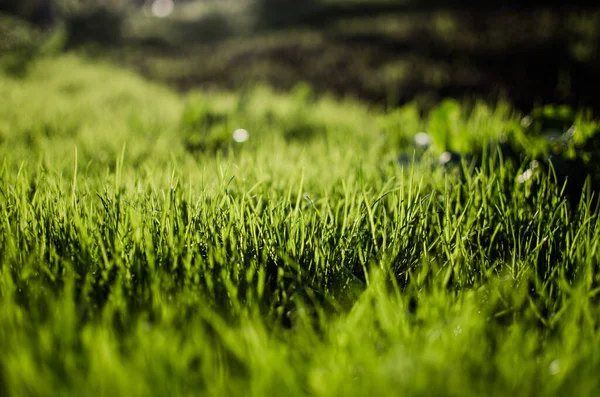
{"points": [[145, 251]]}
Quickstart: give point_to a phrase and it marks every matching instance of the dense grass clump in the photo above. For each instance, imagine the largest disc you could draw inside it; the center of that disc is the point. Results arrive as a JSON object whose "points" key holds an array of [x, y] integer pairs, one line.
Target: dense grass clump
{"points": [[143, 251]]}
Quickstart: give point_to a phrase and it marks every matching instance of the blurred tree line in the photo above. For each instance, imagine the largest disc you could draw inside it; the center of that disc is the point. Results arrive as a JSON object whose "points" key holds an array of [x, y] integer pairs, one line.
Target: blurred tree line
{"points": [[40, 12], [84, 20], [551, 55], [282, 13], [271, 12], [101, 20]]}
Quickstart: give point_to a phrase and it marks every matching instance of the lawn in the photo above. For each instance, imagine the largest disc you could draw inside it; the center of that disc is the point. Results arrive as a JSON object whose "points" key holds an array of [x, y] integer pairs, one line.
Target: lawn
{"points": [[145, 251]]}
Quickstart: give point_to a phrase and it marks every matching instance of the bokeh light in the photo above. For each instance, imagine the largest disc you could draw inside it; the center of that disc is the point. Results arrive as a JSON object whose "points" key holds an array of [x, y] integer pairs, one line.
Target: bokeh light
{"points": [[162, 8], [241, 135]]}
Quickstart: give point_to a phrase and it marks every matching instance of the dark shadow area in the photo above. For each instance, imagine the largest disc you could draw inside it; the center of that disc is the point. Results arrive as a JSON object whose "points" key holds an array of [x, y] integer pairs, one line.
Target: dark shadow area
{"points": [[385, 52], [393, 53]]}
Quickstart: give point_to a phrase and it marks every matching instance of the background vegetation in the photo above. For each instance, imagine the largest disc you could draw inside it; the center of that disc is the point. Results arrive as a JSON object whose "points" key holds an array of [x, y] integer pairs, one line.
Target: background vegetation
{"points": [[385, 52], [262, 242]]}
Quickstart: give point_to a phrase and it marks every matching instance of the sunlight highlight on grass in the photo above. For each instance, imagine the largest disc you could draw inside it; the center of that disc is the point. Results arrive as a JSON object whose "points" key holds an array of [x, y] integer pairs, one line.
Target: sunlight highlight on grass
{"points": [[144, 251]]}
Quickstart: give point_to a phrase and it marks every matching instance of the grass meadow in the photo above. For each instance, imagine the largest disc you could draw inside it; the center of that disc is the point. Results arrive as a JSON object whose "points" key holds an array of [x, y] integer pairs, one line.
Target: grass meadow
{"points": [[145, 251]]}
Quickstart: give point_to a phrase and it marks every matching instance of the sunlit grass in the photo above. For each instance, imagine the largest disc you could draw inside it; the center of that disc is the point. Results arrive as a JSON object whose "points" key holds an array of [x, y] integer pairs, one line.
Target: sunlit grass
{"points": [[143, 251]]}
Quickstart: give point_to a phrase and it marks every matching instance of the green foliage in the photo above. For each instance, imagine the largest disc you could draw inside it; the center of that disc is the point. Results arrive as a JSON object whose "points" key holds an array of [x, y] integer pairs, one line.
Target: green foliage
{"points": [[132, 265], [19, 44], [93, 22], [398, 125], [206, 130], [444, 123]]}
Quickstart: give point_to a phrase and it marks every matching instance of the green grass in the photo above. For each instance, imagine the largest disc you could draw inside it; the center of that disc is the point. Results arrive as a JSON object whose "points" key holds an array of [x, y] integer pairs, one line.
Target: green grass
{"points": [[144, 252]]}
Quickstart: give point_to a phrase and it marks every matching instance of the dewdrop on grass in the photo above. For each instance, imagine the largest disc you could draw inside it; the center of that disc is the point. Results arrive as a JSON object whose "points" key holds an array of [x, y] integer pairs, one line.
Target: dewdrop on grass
{"points": [[554, 368], [241, 135], [423, 140], [445, 157], [525, 176]]}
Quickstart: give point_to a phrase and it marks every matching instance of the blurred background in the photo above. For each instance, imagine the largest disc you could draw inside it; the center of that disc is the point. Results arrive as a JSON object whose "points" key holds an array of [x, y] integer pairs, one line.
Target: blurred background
{"points": [[382, 51]]}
